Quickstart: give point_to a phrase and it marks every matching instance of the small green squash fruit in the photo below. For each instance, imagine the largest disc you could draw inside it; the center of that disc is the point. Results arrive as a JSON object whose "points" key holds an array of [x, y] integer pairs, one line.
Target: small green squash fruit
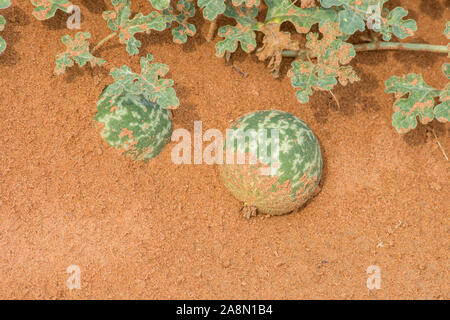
{"points": [[279, 183], [131, 123]]}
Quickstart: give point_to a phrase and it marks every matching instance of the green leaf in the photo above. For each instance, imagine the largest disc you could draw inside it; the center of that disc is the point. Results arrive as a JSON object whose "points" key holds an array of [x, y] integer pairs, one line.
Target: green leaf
{"points": [[442, 110], [120, 22], [447, 35], [2, 45], [2, 23], [446, 70], [243, 32], [5, 4], [419, 102], [354, 15], [447, 30], [397, 26], [186, 10], [160, 4], [211, 8], [330, 54], [46, 9], [303, 19], [77, 51], [149, 82], [247, 3]]}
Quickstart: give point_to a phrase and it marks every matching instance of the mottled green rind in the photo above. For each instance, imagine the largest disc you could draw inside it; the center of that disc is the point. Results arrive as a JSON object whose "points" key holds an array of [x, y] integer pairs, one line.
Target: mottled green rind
{"points": [[149, 125], [299, 165]]}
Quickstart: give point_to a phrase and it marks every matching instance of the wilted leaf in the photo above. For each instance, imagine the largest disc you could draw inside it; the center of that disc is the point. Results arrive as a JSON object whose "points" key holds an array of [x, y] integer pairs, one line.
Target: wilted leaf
{"points": [[46, 9], [274, 42], [330, 55], [120, 22], [149, 82], [77, 51]]}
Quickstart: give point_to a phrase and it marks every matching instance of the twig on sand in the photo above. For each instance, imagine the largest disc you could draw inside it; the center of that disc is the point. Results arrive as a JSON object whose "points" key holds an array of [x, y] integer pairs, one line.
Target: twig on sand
{"points": [[439, 144], [335, 99], [242, 73]]}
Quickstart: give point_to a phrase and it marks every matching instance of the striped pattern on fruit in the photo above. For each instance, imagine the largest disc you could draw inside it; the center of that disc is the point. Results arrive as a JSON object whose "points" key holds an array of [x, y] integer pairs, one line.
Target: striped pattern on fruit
{"points": [[285, 183], [129, 122]]}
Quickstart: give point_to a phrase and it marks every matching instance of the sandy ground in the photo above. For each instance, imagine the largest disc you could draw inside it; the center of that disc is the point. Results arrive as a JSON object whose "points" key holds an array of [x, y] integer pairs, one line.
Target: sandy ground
{"points": [[157, 230]]}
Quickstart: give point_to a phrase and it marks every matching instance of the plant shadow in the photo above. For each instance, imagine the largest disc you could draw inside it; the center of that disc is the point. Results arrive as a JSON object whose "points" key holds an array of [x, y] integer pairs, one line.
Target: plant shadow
{"points": [[186, 114], [349, 101], [57, 22], [417, 59], [434, 9], [15, 17], [76, 72], [420, 135], [94, 6]]}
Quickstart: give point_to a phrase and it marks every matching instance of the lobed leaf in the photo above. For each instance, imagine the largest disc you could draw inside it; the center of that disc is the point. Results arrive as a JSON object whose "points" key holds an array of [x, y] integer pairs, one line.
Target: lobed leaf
{"points": [[46, 9], [396, 25], [243, 32], [420, 102], [160, 4], [354, 15], [120, 22], [442, 110], [186, 10], [212, 8], [149, 82], [330, 54], [303, 19], [77, 52], [5, 4], [247, 3]]}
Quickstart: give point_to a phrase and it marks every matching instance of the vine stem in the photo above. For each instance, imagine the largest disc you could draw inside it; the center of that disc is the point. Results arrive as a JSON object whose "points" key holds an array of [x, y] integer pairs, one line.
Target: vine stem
{"points": [[381, 45], [211, 30], [112, 35]]}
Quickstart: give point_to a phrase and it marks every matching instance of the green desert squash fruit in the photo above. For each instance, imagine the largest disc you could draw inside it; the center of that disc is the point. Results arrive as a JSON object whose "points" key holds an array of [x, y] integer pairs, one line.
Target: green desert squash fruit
{"points": [[283, 181], [140, 128]]}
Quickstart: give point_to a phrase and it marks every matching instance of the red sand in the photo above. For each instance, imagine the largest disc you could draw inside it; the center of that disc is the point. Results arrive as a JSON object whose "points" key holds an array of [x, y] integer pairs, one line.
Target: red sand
{"points": [[157, 230]]}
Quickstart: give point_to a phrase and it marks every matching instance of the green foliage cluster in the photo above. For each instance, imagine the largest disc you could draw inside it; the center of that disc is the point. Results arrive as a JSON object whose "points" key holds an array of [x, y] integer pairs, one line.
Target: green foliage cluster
{"points": [[320, 62]]}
